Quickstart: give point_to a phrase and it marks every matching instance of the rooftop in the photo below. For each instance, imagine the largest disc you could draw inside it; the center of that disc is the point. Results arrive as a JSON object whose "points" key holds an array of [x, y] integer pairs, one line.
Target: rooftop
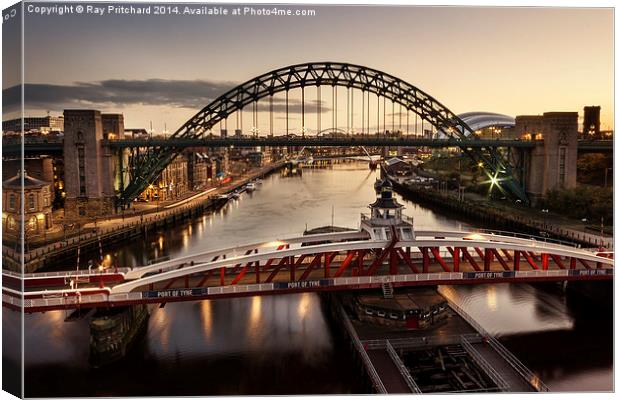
{"points": [[29, 182]]}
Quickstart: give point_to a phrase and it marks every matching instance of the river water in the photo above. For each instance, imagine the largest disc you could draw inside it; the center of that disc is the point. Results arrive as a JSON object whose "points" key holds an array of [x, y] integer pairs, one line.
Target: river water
{"points": [[284, 344]]}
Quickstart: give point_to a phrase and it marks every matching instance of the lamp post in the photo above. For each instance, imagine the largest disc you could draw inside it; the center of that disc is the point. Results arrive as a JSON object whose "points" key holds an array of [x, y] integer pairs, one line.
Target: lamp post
{"points": [[545, 211]]}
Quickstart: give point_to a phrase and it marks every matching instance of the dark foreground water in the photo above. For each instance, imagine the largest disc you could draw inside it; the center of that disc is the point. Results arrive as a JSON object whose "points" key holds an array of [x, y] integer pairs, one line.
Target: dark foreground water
{"points": [[284, 344]]}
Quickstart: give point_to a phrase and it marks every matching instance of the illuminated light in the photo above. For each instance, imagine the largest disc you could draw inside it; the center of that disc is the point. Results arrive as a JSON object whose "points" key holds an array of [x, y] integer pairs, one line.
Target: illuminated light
{"points": [[539, 136], [40, 216], [275, 243], [494, 181], [481, 164], [474, 236]]}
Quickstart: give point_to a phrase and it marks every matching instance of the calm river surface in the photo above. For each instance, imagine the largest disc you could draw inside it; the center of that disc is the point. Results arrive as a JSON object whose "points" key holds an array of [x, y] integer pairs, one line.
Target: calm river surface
{"points": [[284, 344]]}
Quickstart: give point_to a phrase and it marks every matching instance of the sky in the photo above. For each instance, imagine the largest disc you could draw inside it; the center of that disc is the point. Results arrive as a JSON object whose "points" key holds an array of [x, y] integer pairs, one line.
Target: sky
{"points": [[164, 69]]}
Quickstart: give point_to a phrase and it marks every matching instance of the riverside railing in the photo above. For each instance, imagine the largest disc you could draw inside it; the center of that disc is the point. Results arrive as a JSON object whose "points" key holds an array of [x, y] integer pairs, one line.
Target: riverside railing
{"points": [[372, 372], [401, 367], [510, 358], [421, 342], [484, 364], [524, 371]]}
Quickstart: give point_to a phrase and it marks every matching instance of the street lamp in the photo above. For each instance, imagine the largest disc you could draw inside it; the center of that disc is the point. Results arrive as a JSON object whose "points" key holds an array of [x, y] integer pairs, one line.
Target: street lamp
{"points": [[545, 211]]}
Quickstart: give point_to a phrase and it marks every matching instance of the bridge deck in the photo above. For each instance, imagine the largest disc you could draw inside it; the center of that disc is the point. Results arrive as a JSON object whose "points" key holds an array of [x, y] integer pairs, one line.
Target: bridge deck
{"points": [[284, 275], [388, 372], [333, 261], [515, 381]]}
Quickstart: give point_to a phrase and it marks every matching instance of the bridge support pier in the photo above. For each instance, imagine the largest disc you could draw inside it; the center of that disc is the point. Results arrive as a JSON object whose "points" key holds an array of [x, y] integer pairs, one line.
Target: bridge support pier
{"points": [[553, 162], [89, 166], [113, 331]]}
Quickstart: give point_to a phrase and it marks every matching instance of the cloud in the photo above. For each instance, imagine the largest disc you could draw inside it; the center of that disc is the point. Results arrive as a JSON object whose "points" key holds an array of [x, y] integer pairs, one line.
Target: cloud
{"points": [[175, 93], [191, 94]]}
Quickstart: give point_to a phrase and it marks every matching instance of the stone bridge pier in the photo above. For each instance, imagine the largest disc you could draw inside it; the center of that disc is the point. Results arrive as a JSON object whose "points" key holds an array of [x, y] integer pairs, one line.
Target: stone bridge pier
{"points": [[552, 163], [89, 166]]}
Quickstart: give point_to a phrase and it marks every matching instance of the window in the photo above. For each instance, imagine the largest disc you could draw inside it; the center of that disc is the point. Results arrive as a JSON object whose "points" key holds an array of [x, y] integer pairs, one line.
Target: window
{"points": [[12, 202], [562, 169], [31, 201], [32, 223], [81, 170]]}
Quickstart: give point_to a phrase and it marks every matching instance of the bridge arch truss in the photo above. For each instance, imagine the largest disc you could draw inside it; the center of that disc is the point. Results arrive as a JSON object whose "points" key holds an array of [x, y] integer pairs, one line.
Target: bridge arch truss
{"points": [[316, 74]]}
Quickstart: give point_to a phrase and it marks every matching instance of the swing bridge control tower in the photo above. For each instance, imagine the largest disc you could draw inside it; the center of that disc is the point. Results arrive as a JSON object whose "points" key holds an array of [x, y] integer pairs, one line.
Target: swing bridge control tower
{"points": [[385, 221]]}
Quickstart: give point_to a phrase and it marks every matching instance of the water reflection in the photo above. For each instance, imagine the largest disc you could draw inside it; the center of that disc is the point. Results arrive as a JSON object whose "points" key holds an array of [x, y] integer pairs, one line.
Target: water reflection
{"points": [[207, 318], [254, 321], [508, 309], [492, 298], [304, 304]]}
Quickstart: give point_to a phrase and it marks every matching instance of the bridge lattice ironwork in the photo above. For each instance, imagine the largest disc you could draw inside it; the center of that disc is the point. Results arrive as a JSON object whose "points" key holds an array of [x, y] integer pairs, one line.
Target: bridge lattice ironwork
{"points": [[150, 166]]}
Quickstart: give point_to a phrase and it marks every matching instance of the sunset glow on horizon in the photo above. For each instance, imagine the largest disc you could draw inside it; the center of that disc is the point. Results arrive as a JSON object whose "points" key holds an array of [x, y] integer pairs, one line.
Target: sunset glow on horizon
{"points": [[515, 61]]}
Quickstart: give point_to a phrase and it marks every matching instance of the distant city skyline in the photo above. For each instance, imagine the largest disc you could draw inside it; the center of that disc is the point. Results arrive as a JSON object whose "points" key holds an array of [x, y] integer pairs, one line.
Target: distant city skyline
{"points": [[514, 61]]}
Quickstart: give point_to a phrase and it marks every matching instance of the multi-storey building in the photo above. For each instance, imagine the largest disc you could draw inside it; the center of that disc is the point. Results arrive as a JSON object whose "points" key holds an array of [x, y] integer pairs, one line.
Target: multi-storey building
{"points": [[37, 196], [45, 124]]}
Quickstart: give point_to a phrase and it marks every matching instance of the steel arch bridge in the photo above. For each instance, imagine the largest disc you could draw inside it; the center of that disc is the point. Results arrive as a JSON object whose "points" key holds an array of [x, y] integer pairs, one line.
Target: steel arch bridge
{"points": [[413, 99]]}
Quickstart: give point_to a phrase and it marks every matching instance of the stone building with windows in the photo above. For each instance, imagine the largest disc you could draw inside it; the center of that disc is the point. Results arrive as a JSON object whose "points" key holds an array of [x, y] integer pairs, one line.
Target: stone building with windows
{"points": [[172, 183], [37, 206]]}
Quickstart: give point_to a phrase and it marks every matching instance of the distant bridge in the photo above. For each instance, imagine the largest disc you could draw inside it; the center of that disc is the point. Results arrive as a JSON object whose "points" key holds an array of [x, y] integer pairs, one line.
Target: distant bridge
{"points": [[54, 146], [329, 261]]}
